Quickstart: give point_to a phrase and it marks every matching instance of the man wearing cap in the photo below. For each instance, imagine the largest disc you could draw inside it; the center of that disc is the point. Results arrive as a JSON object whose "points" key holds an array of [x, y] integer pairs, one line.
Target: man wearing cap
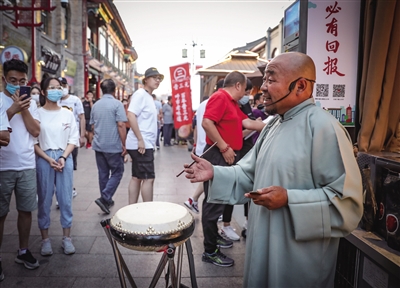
{"points": [[74, 104], [141, 139]]}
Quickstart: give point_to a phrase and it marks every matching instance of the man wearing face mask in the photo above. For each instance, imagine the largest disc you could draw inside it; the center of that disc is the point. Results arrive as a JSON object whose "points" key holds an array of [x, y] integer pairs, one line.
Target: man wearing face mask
{"points": [[17, 160], [74, 104]]}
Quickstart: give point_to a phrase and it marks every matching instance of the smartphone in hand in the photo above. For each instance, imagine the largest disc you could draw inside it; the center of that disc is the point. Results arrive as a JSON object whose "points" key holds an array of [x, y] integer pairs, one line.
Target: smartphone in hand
{"points": [[25, 90], [254, 193]]}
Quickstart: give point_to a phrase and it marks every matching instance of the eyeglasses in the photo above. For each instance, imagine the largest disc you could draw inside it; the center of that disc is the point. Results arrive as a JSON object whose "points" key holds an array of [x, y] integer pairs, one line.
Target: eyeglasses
{"points": [[157, 78], [55, 88]]}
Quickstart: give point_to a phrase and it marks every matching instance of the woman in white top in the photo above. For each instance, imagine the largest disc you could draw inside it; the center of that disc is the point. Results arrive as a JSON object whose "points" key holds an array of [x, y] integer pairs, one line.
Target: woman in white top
{"points": [[58, 137]]}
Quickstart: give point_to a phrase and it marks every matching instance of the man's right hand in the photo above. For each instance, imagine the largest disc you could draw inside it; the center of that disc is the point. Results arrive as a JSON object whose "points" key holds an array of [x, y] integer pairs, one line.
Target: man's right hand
{"points": [[229, 156], [19, 104], [141, 146], [201, 171]]}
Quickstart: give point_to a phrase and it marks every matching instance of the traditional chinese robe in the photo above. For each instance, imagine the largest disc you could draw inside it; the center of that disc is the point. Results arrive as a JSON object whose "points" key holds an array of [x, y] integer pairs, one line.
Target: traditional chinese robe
{"points": [[309, 153]]}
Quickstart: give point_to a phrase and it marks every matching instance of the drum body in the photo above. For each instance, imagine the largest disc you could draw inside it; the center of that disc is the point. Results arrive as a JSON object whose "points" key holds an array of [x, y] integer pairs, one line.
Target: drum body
{"points": [[151, 226]]}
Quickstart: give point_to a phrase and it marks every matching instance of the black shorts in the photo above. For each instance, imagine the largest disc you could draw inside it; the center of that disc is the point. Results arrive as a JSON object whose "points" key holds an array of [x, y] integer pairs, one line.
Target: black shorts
{"points": [[143, 164], [88, 126]]}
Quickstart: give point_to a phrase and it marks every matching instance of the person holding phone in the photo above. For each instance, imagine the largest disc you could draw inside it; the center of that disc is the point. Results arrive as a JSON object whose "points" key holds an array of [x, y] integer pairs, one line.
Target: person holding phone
{"points": [[17, 169], [58, 138]]}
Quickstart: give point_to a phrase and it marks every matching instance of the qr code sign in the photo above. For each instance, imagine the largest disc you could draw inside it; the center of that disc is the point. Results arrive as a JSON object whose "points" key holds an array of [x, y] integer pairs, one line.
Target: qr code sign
{"points": [[339, 90], [322, 90]]}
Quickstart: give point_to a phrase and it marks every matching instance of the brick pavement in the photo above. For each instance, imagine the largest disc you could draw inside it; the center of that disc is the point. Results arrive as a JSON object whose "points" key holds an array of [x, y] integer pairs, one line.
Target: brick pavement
{"points": [[93, 264]]}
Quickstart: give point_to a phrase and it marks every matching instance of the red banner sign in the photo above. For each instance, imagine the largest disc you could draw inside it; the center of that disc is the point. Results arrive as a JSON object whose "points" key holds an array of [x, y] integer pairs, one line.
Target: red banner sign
{"points": [[181, 96]]}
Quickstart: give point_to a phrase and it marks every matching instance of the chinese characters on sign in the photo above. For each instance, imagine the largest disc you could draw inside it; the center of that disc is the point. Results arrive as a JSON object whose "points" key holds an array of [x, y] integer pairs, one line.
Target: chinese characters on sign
{"points": [[332, 41], [181, 95], [332, 46]]}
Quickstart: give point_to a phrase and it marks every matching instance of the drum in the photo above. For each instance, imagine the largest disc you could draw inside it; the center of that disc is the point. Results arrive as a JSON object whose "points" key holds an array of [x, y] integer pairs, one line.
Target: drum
{"points": [[151, 226]]}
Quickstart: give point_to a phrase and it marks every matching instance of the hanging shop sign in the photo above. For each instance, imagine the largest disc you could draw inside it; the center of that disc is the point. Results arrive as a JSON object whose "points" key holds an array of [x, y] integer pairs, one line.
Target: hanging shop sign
{"points": [[51, 60], [13, 52], [181, 99]]}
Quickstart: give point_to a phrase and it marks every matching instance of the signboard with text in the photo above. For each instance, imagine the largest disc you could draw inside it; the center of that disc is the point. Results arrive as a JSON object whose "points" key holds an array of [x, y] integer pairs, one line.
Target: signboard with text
{"points": [[332, 42], [181, 96]]}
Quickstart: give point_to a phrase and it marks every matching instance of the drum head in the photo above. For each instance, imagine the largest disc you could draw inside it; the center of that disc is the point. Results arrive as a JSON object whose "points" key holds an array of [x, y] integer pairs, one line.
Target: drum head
{"points": [[151, 226]]}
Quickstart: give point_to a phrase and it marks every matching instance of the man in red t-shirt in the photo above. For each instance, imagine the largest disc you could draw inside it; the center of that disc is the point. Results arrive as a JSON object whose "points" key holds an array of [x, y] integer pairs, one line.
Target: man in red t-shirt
{"points": [[222, 122]]}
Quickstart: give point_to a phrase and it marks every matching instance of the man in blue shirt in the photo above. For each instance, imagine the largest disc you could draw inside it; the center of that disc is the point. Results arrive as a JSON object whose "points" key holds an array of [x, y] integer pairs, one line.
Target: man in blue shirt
{"points": [[108, 119]]}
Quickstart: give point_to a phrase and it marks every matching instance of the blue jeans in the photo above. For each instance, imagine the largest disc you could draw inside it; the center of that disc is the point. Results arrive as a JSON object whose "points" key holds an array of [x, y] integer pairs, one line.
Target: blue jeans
{"points": [[111, 169], [47, 180]]}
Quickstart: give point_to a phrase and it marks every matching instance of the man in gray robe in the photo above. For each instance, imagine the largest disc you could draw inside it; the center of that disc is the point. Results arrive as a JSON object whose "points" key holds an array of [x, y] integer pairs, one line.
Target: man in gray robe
{"points": [[309, 191]]}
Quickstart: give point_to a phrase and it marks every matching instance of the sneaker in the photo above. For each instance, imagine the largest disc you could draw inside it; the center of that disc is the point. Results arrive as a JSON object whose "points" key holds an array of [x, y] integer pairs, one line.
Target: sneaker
{"points": [[28, 260], [46, 249], [244, 233], [224, 243], [228, 232], [220, 218], [68, 246], [1, 273], [192, 205], [88, 145], [102, 205], [218, 258], [111, 203], [74, 193], [57, 206]]}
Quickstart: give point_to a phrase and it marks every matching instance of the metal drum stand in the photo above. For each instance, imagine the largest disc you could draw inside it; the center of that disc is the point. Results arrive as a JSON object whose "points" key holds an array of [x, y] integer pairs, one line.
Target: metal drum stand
{"points": [[167, 257]]}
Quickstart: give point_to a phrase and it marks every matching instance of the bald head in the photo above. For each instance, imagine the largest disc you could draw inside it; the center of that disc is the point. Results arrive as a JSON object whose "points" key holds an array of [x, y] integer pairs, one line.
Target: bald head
{"points": [[295, 64], [288, 81]]}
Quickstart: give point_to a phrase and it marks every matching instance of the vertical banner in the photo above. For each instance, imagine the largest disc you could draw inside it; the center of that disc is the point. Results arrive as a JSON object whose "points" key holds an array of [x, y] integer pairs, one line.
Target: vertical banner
{"points": [[332, 42], [181, 99]]}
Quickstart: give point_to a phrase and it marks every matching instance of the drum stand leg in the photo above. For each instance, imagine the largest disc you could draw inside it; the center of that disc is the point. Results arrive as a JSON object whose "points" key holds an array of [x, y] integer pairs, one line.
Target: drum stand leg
{"points": [[192, 271], [119, 260]]}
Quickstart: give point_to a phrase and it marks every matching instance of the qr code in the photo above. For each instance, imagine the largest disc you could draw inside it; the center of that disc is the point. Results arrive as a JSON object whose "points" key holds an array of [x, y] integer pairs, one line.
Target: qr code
{"points": [[322, 90], [339, 90]]}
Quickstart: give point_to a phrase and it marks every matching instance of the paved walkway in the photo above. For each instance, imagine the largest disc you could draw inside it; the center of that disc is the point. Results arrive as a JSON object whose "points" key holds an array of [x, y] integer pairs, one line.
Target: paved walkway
{"points": [[93, 264]]}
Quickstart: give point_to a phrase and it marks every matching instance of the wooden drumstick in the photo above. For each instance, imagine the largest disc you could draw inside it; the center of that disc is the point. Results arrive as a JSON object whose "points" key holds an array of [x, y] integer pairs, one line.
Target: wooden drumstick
{"points": [[201, 156]]}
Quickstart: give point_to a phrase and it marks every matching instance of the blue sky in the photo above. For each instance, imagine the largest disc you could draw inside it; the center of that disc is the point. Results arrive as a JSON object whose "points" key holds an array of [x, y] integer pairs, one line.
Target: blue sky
{"points": [[160, 29]]}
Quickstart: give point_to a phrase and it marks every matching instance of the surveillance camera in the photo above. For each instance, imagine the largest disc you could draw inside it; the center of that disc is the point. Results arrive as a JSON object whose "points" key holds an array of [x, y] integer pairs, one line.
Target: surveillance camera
{"points": [[64, 3]]}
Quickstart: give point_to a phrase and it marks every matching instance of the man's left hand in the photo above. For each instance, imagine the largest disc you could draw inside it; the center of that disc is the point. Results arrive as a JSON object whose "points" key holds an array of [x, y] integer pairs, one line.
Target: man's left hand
{"points": [[82, 141], [273, 197]]}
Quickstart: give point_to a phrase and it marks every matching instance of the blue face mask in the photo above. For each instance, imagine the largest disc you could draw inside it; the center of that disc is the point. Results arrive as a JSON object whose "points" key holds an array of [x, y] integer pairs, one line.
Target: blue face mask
{"points": [[54, 95], [11, 88], [244, 100]]}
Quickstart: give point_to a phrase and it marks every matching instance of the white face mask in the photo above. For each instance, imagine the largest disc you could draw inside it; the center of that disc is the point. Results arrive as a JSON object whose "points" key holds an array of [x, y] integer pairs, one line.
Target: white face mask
{"points": [[35, 97], [65, 92]]}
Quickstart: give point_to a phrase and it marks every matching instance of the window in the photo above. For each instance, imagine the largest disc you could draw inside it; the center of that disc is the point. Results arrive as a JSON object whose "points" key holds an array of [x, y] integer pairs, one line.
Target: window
{"points": [[44, 18], [102, 43], [110, 54]]}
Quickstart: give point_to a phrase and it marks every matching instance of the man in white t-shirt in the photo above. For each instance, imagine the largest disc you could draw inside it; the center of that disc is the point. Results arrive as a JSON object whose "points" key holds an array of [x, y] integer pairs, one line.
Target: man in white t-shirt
{"points": [[4, 126], [17, 160], [141, 139], [199, 144], [74, 104]]}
